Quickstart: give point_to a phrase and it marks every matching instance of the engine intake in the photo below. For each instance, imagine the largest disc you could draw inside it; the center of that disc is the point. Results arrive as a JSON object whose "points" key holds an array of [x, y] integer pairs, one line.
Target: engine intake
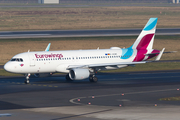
{"points": [[79, 74]]}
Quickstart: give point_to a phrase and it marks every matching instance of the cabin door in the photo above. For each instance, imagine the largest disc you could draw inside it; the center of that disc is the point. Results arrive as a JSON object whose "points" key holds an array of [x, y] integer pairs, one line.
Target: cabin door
{"points": [[32, 60]]}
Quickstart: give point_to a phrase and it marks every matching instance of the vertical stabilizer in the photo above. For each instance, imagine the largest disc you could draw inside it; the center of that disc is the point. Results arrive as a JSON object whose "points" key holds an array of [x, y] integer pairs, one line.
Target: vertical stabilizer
{"points": [[146, 38]]}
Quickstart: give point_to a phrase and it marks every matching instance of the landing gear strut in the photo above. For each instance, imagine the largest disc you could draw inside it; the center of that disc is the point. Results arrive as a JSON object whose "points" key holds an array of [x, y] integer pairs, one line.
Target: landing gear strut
{"points": [[93, 78], [27, 78]]}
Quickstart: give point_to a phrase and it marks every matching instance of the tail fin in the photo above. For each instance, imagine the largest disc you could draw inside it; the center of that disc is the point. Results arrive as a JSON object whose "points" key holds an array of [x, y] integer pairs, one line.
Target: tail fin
{"points": [[146, 38]]}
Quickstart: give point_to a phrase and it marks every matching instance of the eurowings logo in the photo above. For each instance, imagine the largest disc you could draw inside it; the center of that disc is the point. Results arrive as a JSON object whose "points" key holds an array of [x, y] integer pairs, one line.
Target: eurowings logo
{"points": [[49, 55], [21, 65]]}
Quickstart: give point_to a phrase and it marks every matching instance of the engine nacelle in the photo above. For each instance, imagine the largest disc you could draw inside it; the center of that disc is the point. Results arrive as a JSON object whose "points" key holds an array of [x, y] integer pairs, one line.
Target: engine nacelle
{"points": [[43, 75], [79, 74]]}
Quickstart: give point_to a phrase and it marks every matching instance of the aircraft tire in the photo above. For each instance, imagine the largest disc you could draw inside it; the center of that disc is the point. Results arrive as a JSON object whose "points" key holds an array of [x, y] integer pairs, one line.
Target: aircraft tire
{"points": [[93, 79], [26, 81]]}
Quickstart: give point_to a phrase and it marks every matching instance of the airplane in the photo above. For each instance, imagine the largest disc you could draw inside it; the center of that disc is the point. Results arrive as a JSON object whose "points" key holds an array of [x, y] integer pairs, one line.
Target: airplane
{"points": [[82, 64]]}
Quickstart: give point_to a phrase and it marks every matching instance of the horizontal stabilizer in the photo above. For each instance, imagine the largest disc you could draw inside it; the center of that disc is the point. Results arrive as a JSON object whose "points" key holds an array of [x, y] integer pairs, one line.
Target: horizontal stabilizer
{"points": [[170, 52], [151, 54], [159, 53]]}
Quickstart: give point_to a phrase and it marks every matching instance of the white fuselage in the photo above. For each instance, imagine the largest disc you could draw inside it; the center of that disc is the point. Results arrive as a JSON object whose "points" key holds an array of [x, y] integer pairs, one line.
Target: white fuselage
{"points": [[58, 61]]}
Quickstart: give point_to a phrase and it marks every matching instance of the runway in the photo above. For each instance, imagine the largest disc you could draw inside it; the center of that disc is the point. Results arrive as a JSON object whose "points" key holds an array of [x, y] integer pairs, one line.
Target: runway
{"points": [[123, 96], [83, 33]]}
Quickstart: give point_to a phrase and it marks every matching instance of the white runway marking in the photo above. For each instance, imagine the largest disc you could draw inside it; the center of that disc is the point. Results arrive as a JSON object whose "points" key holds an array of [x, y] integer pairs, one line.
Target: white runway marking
{"points": [[73, 100], [5, 114]]}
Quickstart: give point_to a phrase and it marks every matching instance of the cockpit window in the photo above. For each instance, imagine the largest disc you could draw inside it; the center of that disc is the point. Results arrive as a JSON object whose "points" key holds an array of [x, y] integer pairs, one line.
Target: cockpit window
{"points": [[17, 59], [13, 59]]}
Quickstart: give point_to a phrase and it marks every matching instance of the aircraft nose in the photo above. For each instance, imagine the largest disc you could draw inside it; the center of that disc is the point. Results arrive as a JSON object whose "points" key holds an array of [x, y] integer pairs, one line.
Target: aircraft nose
{"points": [[7, 67]]}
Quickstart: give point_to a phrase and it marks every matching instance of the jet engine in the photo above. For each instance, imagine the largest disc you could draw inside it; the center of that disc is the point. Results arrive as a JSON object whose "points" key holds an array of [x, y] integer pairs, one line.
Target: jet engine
{"points": [[79, 74], [43, 75]]}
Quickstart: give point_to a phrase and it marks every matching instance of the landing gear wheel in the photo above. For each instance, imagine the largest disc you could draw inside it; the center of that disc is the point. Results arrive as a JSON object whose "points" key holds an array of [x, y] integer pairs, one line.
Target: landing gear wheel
{"points": [[93, 79], [68, 78], [27, 78], [26, 81]]}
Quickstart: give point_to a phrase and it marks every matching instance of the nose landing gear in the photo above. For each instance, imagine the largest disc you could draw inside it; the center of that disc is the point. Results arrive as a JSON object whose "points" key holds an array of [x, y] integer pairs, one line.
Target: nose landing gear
{"points": [[27, 78]]}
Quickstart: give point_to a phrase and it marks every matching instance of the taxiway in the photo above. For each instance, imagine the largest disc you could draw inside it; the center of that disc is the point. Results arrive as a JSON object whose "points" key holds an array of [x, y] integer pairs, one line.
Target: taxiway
{"points": [[130, 95], [83, 33]]}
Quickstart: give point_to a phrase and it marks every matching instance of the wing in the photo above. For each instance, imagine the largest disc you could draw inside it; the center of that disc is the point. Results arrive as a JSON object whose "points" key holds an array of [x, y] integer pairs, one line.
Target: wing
{"points": [[103, 65], [112, 64]]}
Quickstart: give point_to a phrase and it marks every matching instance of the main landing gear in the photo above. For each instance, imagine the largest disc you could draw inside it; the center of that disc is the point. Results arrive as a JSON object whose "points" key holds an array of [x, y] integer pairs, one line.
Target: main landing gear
{"points": [[27, 78], [93, 78]]}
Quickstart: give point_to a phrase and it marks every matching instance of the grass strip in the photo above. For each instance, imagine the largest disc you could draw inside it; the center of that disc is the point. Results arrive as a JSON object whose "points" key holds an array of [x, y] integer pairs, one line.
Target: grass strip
{"points": [[5, 73], [11, 47], [170, 99], [36, 18]]}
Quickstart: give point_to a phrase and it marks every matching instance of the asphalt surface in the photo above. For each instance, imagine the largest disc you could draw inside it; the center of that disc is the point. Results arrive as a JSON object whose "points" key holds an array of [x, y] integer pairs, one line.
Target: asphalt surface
{"points": [[131, 95], [83, 33]]}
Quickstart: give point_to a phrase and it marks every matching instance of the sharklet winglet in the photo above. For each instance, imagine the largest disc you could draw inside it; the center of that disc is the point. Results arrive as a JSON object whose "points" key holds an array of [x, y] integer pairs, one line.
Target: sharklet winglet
{"points": [[160, 54], [48, 47]]}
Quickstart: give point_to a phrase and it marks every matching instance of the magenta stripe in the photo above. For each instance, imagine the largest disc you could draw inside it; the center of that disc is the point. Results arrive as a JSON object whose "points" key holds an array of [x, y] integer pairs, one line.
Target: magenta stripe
{"points": [[140, 55], [142, 47], [143, 44]]}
